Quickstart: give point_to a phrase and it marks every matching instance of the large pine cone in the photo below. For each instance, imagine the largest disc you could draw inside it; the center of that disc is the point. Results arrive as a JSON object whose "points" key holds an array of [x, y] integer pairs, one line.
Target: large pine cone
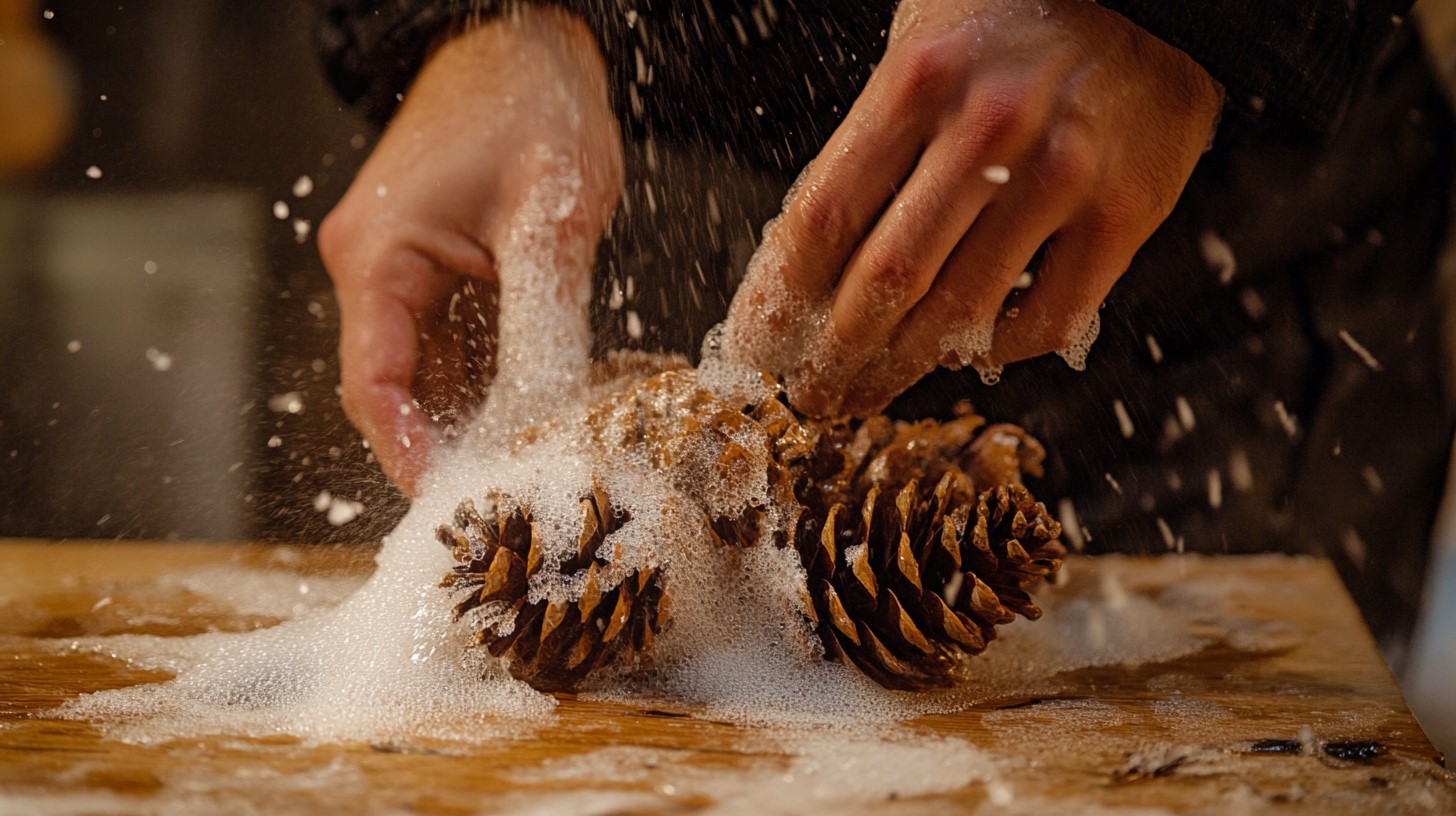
{"points": [[552, 646], [917, 539], [914, 581]]}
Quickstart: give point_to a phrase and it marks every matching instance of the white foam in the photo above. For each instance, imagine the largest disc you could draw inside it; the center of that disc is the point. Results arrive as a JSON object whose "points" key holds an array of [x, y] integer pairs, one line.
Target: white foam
{"points": [[1075, 355], [1289, 422], [545, 288], [967, 343], [1360, 351], [388, 661], [160, 360], [798, 320], [1124, 419], [797, 773], [385, 663]]}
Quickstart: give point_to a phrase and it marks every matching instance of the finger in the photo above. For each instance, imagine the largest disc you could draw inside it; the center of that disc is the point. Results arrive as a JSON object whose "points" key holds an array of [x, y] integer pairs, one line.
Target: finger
{"points": [[858, 170], [833, 205], [900, 260], [868, 157], [955, 320], [954, 323], [830, 209], [1060, 311], [378, 355]]}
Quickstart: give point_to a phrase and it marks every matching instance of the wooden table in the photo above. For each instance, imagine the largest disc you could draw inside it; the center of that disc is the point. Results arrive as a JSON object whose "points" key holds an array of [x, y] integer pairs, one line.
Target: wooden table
{"points": [[1286, 708]]}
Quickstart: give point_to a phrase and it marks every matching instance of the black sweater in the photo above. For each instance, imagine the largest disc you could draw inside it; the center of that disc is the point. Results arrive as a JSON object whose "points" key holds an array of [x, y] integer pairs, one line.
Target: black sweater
{"points": [[689, 68]]}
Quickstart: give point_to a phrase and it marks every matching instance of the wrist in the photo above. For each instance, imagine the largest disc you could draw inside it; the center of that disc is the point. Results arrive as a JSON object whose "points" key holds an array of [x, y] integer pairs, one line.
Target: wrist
{"points": [[539, 38]]}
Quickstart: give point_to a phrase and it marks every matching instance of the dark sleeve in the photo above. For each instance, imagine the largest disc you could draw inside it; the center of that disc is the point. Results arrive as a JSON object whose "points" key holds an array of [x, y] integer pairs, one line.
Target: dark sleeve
{"points": [[769, 86], [372, 49], [1297, 61]]}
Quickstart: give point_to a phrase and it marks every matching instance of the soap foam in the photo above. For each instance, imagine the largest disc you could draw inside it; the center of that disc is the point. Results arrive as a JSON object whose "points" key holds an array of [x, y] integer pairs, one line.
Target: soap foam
{"points": [[545, 280], [385, 663], [795, 773], [389, 662], [798, 320], [966, 343], [1075, 354]]}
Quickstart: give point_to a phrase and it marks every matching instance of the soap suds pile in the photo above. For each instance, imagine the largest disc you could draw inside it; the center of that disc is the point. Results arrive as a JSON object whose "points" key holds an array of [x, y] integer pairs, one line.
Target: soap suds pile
{"points": [[389, 662]]}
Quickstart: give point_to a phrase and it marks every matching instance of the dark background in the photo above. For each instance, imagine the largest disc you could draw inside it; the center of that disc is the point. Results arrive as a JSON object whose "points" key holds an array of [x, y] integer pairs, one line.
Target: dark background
{"points": [[212, 111]]}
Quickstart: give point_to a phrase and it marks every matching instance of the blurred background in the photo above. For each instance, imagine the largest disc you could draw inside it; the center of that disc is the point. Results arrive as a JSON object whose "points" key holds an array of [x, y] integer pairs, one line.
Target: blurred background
{"points": [[166, 329], [167, 332]]}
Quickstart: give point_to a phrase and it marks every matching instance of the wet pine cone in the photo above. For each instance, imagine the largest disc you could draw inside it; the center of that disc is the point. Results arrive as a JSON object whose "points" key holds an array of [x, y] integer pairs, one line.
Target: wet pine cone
{"points": [[917, 539], [552, 646]]}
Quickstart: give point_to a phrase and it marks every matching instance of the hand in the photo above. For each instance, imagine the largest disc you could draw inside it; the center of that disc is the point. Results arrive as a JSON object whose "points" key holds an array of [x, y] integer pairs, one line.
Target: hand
{"points": [[413, 244], [990, 128]]}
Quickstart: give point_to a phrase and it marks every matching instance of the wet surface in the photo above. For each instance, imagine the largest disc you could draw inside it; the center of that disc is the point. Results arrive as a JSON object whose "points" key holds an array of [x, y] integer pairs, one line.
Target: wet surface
{"points": [[1285, 708]]}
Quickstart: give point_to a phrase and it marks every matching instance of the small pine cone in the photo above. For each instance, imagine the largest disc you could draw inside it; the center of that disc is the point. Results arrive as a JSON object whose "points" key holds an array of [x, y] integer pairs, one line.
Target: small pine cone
{"points": [[552, 646], [919, 578]]}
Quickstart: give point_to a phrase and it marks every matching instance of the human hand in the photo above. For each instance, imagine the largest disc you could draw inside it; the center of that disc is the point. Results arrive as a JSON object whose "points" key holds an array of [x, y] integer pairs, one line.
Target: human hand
{"points": [[412, 247], [990, 128]]}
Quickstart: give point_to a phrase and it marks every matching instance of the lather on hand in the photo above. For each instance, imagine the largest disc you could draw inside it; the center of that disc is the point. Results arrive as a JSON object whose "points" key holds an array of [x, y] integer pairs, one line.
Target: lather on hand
{"points": [[411, 247], [989, 128]]}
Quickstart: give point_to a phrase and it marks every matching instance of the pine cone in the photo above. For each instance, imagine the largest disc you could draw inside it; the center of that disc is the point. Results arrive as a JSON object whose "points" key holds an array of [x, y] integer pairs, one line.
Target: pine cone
{"points": [[916, 580], [917, 539], [552, 646]]}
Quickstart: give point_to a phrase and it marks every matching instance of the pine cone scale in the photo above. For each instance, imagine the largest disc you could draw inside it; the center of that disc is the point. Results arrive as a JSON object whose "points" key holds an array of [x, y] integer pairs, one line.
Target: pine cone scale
{"points": [[898, 630], [857, 586], [621, 614], [907, 567], [834, 613], [945, 623]]}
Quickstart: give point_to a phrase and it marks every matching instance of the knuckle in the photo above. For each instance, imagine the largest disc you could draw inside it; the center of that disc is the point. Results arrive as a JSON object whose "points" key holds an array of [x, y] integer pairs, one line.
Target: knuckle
{"points": [[891, 271], [335, 236], [926, 70], [965, 315], [999, 116], [1112, 219], [823, 219], [1061, 335], [976, 316], [1070, 162]]}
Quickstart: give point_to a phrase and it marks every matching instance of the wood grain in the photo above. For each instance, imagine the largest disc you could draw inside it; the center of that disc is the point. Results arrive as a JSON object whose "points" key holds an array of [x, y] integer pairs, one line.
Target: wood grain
{"points": [[1175, 736]]}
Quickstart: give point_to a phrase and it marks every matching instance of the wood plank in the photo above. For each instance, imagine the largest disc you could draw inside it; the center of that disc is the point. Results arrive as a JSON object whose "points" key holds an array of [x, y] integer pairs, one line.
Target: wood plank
{"points": [[1301, 679]]}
